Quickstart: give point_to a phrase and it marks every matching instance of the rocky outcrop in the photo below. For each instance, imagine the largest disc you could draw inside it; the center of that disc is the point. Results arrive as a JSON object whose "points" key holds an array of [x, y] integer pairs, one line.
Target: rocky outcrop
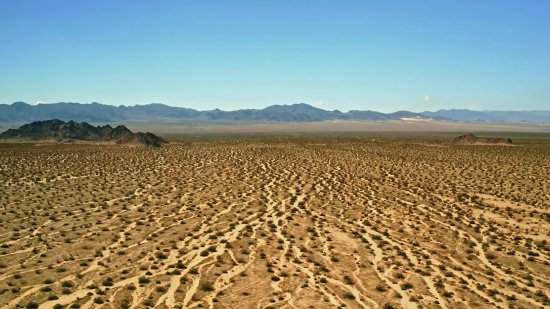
{"points": [[60, 131], [470, 139]]}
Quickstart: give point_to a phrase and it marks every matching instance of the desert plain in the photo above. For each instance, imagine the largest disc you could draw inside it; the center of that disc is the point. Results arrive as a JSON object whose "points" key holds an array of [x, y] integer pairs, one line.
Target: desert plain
{"points": [[277, 221]]}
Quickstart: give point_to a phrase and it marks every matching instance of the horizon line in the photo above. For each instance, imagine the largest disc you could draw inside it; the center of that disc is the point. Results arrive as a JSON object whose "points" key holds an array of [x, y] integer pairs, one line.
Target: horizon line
{"points": [[301, 103]]}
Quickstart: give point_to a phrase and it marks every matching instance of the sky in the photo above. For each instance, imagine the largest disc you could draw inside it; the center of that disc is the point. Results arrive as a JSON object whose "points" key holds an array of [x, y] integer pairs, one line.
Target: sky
{"points": [[347, 55]]}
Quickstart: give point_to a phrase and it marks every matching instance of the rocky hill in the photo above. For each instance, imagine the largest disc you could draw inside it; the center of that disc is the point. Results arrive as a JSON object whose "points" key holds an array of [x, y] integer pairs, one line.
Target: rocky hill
{"points": [[57, 130], [470, 139]]}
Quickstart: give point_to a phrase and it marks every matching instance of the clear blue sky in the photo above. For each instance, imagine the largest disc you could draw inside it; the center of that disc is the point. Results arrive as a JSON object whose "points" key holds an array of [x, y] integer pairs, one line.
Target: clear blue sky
{"points": [[380, 55]]}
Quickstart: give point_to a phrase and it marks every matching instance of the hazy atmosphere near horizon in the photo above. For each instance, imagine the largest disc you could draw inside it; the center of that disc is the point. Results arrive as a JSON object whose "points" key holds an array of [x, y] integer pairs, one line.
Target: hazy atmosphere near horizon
{"points": [[364, 55]]}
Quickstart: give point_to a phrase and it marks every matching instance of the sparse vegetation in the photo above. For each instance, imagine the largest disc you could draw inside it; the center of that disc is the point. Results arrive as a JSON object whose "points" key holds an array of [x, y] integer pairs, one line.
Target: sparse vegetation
{"points": [[258, 219]]}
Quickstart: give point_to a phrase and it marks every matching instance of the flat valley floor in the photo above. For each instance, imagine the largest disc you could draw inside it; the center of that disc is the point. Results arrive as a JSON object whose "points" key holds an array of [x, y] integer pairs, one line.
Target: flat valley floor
{"points": [[276, 222]]}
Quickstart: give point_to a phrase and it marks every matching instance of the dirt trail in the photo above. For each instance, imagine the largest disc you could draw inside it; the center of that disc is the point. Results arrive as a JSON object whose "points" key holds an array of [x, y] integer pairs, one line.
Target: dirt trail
{"points": [[15, 302], [65, 299], [290, 224]]}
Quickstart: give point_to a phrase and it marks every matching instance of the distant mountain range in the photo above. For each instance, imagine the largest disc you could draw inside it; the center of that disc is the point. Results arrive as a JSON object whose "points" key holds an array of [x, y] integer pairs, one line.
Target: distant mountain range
{"points": [[492, 116], [95, 112]]}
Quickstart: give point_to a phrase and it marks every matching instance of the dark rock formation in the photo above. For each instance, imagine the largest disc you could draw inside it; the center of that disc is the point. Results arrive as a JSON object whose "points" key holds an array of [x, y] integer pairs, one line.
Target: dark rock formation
{"points": [[470, 139], [61, 131]]}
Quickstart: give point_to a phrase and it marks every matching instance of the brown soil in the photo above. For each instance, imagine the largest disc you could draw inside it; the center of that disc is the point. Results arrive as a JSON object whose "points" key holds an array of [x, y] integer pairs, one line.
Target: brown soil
{"points": [[275, 223]]}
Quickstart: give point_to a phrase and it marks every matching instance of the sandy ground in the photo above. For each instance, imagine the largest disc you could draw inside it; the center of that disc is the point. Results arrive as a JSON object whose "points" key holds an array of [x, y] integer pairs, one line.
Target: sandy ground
{"points": [[406, 125], [275, 222]]}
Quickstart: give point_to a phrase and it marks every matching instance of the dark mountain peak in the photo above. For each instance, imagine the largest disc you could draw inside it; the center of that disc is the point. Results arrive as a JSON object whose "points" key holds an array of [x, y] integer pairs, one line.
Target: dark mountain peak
{"points": [[405, 114], [120, 131], [58, 130], [148, 139], [155, 105], [47, 122], [305, 106], [20, 103], [21, 107], [50, 121], [302, 105], [286, 105], [121, 128]]}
